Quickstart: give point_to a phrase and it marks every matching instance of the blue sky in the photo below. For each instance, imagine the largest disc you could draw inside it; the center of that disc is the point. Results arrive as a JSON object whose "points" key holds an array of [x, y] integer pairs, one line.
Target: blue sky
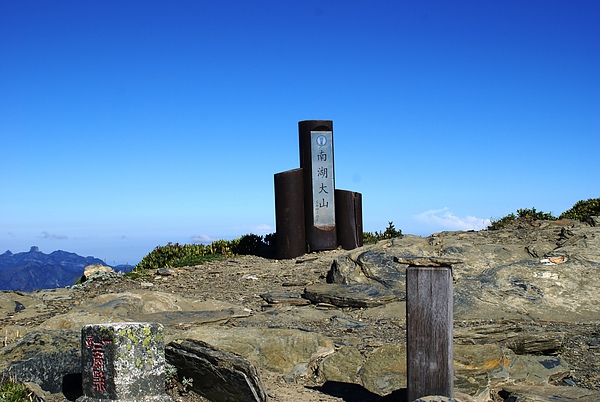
{"points": [[128, 124]]}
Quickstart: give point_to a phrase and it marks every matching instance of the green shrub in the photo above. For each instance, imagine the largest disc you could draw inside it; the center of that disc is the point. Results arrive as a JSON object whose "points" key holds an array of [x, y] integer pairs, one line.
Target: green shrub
{"points": [[389, 233], [271, 240], [161, 257], [532, 214], [177, 255], [12, 391], [582, 210], [523, 215], [249, 244], [497, 224]]}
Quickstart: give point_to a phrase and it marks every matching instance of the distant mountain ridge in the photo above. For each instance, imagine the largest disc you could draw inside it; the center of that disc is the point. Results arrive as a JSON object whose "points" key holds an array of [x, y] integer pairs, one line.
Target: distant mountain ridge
{"points": [[35, 270]]}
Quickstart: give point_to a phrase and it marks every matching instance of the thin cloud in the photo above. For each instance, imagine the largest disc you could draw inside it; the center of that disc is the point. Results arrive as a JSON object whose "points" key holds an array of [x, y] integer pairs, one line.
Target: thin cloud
{"points": [[260, 229], [46, 235], [445, 219], [202, 238]]}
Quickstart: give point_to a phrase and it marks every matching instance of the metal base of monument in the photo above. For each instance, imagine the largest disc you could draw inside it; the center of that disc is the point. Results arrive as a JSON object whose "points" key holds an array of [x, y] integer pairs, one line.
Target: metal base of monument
{"points": [[123, 362], [289, 214], [348, 217]]}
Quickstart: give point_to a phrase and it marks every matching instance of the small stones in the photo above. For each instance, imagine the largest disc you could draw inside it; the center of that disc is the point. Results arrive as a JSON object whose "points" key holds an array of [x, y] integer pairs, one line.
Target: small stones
{"points": [[165, 272]]}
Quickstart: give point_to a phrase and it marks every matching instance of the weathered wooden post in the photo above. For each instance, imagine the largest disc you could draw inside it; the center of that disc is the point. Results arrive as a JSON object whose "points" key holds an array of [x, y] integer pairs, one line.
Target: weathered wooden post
{"points": [[348, 211], [289, 214], [123, 362], [429, 316], [316, 160]]}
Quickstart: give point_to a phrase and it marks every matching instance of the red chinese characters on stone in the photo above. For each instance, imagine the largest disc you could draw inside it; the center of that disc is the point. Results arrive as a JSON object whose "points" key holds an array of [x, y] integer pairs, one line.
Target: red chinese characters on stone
{"points": [[98, 362]]}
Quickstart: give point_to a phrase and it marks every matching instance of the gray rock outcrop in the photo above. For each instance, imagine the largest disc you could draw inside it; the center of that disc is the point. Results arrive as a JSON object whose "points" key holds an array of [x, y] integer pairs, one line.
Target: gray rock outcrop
{"points": [[216, 375], [526, 311], [51, 359]]}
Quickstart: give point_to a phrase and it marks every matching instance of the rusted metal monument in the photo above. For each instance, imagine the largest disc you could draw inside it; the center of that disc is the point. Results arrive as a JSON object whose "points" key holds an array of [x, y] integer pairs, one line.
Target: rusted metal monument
{"points": [[310, 213]]}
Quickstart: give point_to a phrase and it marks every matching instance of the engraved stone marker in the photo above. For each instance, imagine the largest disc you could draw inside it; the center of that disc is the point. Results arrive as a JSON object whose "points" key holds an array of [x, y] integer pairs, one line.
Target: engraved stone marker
{"points": [[323, 186], [123, 362], [316, 161]]}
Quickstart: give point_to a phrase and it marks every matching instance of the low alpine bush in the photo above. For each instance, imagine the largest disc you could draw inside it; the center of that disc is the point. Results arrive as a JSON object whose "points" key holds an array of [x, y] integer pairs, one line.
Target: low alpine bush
{"points": [[582, 210]]}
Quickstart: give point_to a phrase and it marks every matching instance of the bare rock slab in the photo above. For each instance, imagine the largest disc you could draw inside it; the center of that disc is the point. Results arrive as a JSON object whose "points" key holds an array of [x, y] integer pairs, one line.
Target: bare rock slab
{"points": [[385, 370], [294, 299], [537, 370], [352, 295], [532, 393], [283, 351], [216, 375]]}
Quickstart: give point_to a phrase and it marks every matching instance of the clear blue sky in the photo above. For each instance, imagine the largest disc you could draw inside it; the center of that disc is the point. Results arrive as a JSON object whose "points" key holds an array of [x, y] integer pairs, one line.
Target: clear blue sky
{"points": [[129, 124]]}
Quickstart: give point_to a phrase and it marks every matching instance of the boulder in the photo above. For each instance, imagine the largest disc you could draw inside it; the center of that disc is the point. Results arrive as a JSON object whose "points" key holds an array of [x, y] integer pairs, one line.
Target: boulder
{"points": [[216, 375], [95, 269], [51, 359], [342, 366], [376, 266], [385, 370]]}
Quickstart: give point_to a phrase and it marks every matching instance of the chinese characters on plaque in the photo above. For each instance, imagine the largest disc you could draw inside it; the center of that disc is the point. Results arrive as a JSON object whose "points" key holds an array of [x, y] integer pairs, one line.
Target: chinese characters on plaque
{"points": [[322, 178], [99, 368]]}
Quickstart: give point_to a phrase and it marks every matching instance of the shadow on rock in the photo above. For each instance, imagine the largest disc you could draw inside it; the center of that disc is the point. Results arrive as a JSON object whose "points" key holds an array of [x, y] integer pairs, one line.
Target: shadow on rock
{"points": [[357, 393]]}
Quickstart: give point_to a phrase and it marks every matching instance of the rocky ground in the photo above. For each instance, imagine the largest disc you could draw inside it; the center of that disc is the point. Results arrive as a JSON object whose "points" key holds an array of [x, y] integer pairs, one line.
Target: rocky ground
{"points": [[507, 293], [238, 280]]}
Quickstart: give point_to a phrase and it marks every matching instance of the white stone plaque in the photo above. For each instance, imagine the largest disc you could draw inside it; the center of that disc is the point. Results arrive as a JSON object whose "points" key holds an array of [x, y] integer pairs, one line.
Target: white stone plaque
{"points": [[323, 185]]}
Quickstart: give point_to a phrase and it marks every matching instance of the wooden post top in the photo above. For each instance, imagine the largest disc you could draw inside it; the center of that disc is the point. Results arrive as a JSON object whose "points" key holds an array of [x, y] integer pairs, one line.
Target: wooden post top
{"points": [[427, 261]]}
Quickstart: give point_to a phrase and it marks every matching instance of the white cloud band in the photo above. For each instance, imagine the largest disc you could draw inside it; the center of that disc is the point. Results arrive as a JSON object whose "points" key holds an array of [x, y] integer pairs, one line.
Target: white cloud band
{"points": [[445, 219]]}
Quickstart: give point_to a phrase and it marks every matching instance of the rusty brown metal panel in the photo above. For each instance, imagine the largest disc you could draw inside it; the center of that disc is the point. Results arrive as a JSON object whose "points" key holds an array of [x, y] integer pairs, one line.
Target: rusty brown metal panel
{"points": [[319, 213], [289, 214], [348, 220]]}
